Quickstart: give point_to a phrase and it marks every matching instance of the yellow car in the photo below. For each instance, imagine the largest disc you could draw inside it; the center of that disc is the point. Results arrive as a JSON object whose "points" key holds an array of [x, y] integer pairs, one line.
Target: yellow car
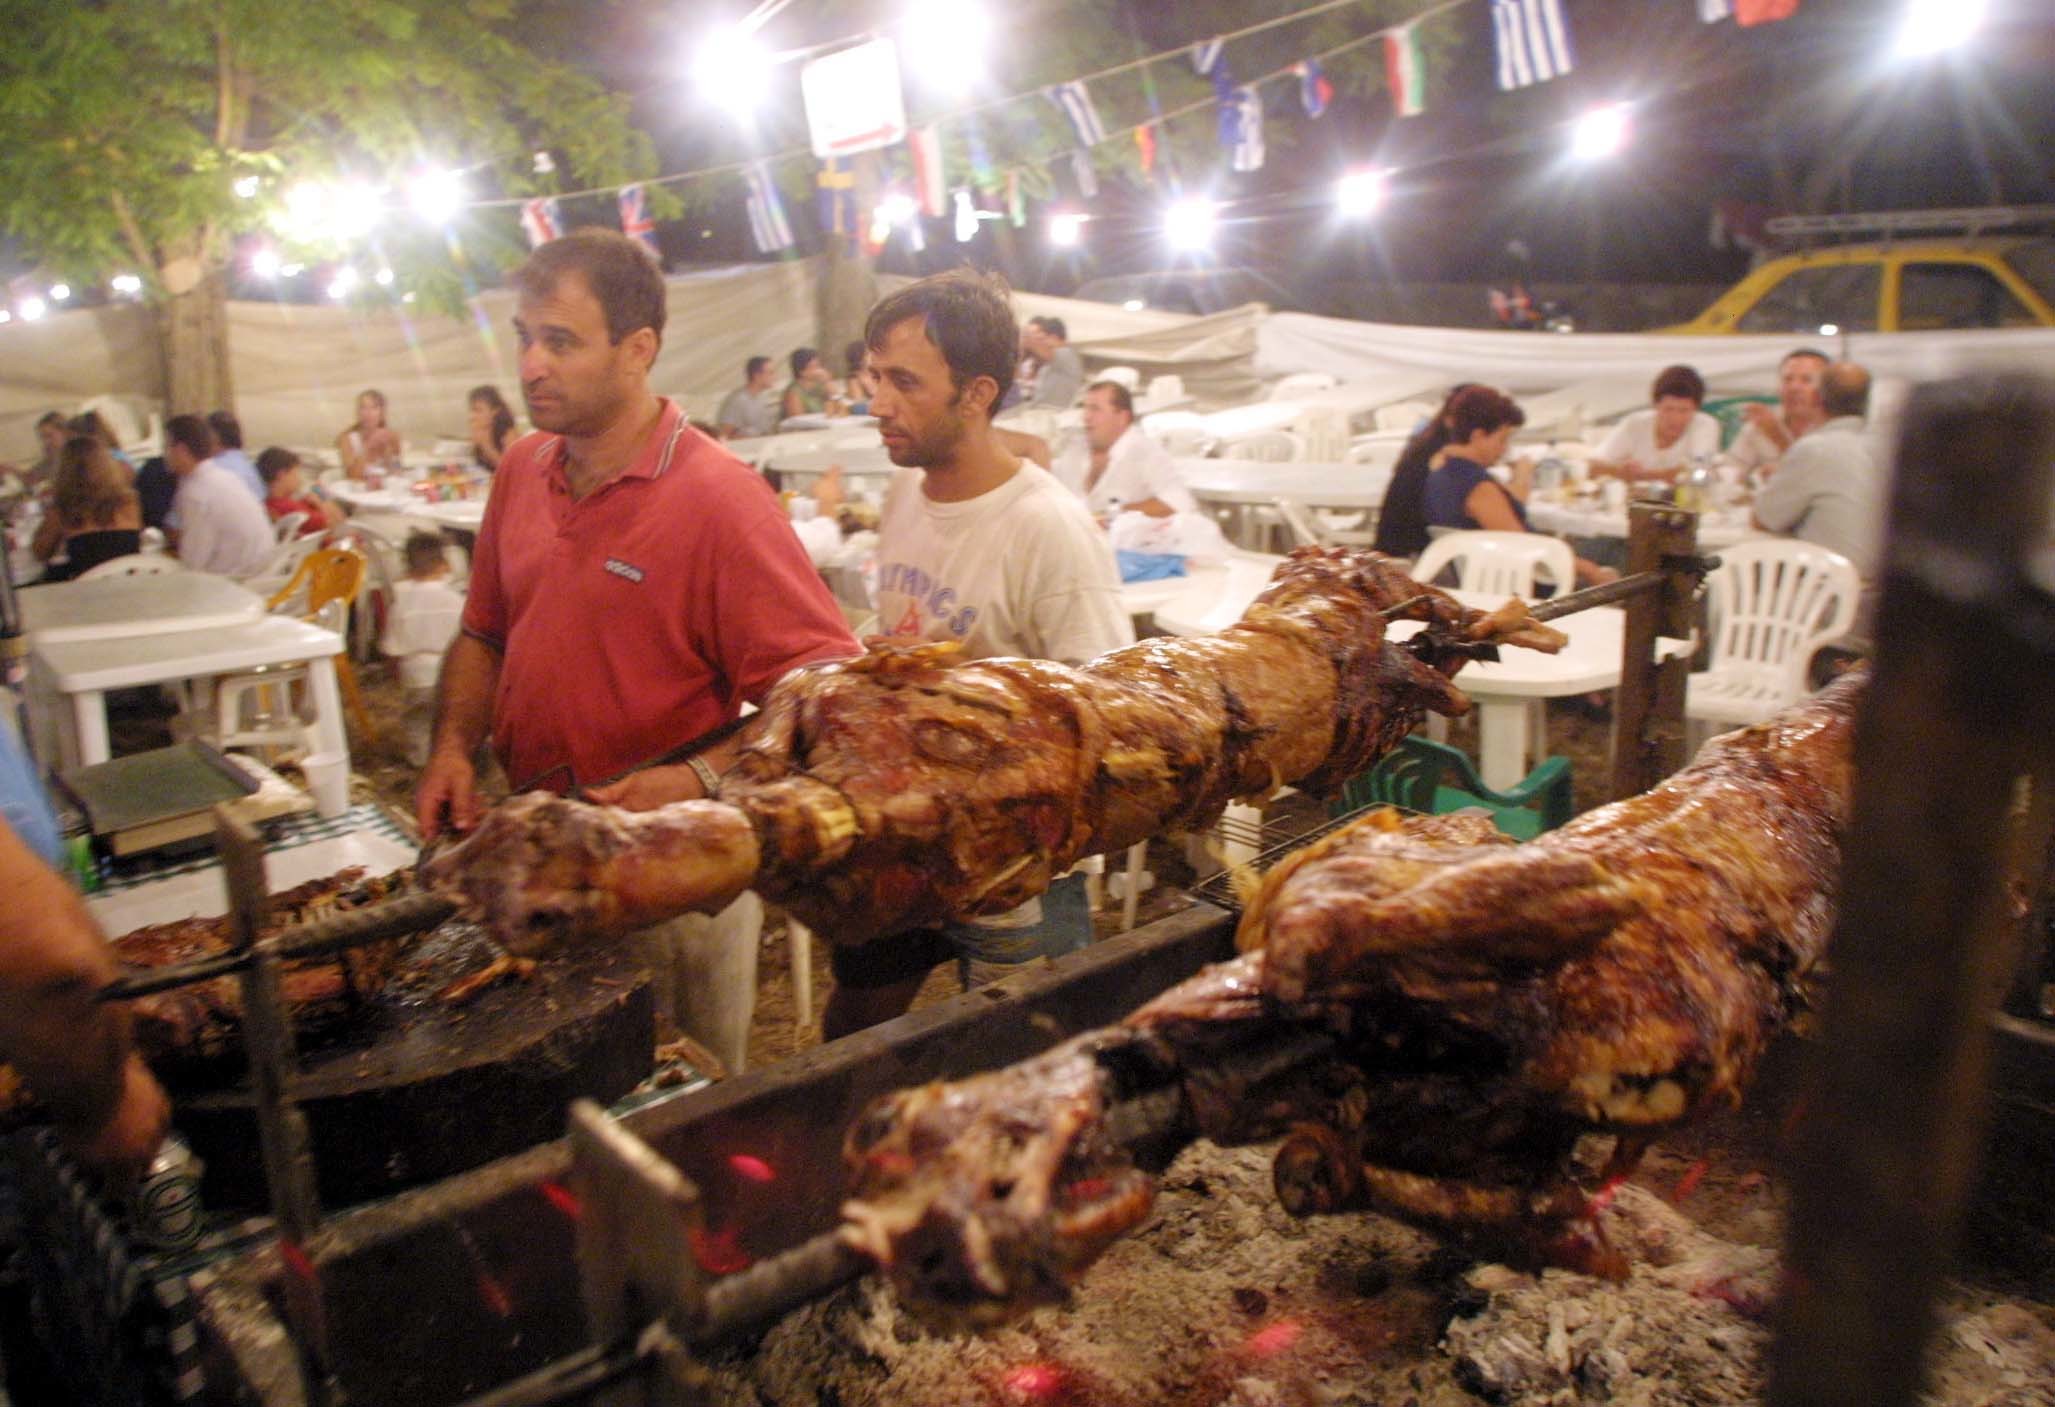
{"points": [[1910, 286]]}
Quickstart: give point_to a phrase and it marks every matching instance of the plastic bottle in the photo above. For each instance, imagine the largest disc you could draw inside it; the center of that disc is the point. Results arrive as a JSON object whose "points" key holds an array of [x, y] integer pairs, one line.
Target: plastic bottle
{"points": [[1695, 485]]}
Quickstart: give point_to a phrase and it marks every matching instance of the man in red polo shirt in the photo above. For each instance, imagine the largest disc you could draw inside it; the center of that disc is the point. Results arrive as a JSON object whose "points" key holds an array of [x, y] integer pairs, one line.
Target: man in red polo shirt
{"points": [[633, 585]]}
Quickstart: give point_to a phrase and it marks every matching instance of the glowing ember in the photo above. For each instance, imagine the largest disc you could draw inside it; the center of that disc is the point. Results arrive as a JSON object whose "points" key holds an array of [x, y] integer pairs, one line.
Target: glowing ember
{"points": [[720, 1252], [1603, 1198], [1273, 1339], [296, 1259], [495, 1295], [562, 1198], [748, 1166], [1034, 1381]]}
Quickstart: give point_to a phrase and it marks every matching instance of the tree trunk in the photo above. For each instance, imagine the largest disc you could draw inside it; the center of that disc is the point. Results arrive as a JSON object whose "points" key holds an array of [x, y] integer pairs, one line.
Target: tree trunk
{"points": [[192, 334], [848, 288]]}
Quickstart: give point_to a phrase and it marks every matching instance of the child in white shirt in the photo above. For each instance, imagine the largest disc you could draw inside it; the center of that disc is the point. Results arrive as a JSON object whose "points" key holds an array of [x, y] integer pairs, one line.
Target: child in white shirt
{"points": [[425, 614]]}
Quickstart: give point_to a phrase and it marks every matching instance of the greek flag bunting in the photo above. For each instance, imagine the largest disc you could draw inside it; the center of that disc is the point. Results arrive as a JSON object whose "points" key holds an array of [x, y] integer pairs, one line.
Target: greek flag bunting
{"points": [[1246, 151], [1533, 42], [1077, 106], [767, 223], [1205, 54], [541, 220], [1081, 170], [635, 220]]}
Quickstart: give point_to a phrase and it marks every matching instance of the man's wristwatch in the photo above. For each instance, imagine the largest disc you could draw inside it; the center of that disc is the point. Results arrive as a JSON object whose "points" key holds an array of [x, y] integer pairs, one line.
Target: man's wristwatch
{"points": [[709, 779]]}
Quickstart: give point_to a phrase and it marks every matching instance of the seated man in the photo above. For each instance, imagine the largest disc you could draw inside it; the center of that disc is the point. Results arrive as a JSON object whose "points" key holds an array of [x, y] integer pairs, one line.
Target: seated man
{"points": [[1116, 467], [749, 410], [1828, 488], [221, 525], [1656, 443], [1770, 432], [1059, 371]]}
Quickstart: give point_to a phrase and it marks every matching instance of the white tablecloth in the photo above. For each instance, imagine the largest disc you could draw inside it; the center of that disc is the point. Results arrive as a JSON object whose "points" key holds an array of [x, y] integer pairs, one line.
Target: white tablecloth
{"points": [[1720, 528], [122, 607]]}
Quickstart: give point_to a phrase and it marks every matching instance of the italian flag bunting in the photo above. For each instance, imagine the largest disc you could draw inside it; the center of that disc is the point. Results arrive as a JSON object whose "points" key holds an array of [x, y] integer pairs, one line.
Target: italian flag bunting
{"points": [[1405, 72]]}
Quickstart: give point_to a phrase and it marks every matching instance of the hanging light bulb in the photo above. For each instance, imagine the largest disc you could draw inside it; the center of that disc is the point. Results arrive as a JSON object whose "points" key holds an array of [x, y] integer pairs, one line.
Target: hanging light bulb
{"points": [[966, 218]]}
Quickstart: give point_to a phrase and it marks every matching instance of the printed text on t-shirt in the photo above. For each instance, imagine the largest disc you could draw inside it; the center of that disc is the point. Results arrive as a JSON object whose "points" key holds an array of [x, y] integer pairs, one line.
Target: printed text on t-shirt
{"points": [[931, 600]]}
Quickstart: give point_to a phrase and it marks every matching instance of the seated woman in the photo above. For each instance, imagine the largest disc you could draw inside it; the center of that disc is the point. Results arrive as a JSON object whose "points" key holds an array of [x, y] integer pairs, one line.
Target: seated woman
{"points": [[368, 440], [809, 392], [1655, 444], [1461, 493], [492, 426], [286, 491], [94, 502], [1402, 521]]}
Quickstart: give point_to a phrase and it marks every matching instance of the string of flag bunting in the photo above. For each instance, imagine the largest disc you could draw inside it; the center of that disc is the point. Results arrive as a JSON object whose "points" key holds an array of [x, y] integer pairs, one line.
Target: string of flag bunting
{"points": [[1531, 41]]}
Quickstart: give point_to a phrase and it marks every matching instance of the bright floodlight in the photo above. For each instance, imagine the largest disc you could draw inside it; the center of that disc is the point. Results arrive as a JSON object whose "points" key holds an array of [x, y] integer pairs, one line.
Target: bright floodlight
{"points": [[1828, 329], [245, 186], [125, 283], [897, 209], [1936, 26], [1189, 225], [732, 70], [383, 278], [306, 214], [436, 195], [1599, 133], [1067, 230], [59, 292], [264, 263], [343, 284], [944, 41], [355, 207], [1359, 193], [6, 316], [32, 308]]}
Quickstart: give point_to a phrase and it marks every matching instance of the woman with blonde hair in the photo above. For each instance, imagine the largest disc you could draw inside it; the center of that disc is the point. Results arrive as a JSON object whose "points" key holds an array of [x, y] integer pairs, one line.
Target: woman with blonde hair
{"points": [[368, 440], [94, 502]]}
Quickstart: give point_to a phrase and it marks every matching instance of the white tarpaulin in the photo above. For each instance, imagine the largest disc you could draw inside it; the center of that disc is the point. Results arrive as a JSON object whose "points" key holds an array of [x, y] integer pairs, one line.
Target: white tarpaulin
{"points": [[1529, 362], [1214, 356]]}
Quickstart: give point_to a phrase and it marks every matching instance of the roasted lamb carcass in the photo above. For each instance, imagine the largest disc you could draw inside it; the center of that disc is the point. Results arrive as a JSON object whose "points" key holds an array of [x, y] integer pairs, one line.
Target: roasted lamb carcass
{"points": [[1430, 1015], [905, 787]]}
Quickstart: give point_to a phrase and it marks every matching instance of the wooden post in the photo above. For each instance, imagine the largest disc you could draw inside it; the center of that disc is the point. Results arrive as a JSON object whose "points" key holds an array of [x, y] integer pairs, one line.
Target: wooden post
{"points": [[1959, 709], [1648, 706]]}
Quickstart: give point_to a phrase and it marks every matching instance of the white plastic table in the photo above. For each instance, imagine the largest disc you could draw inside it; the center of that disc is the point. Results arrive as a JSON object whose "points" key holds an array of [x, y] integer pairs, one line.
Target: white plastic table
{"points": [[1502, 691], [1720, 528], [796, 470], [83, 670], [1317, 485], [122, 607]]}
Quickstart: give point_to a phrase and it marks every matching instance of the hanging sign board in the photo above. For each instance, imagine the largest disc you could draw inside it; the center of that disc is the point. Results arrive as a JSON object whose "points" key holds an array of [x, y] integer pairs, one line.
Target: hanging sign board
{"points": [[853, 99]]}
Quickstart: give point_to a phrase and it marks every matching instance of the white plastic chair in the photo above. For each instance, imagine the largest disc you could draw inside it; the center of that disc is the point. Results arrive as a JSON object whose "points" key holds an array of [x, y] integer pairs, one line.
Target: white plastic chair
{"points": [[1267, 446], [1300, 382], [1401, 415], [135, 564], [284, 562], [1499, 563], [1125, 375], [287, 527], [1772, 603], [1312, 528], [1182, 432]]}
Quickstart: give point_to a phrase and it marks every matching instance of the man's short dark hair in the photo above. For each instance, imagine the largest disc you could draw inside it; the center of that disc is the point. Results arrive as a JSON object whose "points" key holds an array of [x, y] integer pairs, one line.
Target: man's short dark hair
{"points": [[1122, 398], [1053, 326], [852, 357], [191, 432], [1844, 390], [275, 461], [967, 316], [1815, 353], [50, 417], [228, 431], [424, 552], [754, 365], [618, 270], [801, 356], [1679, 381], [1481, 408]]}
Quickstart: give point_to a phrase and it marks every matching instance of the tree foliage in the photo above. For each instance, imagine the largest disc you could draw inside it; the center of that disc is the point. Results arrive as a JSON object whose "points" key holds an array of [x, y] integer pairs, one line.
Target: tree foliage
{"points": [[129, 122]]}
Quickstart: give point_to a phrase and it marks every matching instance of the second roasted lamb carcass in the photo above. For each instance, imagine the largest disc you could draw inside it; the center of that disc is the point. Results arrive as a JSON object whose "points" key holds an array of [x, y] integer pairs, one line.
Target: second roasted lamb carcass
{"points": [[906, 787]]}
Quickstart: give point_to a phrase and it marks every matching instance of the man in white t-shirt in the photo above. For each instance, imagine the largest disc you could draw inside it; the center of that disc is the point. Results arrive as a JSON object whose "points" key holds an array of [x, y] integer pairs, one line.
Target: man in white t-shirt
{"points": [[977, 546], [1772, 430], [1654, 444], [221, 527]]}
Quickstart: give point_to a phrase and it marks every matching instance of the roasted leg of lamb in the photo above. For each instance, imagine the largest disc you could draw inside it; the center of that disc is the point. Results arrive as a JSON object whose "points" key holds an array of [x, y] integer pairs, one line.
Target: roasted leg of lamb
{"points": [[905, 787], [1430, 1016]]}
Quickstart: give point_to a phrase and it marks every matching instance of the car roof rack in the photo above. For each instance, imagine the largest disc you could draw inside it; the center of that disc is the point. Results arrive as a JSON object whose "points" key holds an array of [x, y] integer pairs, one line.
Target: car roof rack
{"points": [[1889, 224]]}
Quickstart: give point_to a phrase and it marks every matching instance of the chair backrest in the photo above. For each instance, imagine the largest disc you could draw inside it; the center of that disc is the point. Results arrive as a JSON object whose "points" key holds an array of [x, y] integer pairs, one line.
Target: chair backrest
{"points": [[1167, 387], [1402, 415], [1269, 446], [1499, 563], [135, 564], [121, 417], [1125, 375], [1300, 382], [1772, 603], [1298, 521], [285, 560], [153, 541], [287, 527], [1427, 776]]}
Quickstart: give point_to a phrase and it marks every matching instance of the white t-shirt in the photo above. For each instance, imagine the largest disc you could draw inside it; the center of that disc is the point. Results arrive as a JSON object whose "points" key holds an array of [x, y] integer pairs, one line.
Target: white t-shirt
{"points": [[424, 619], [221, 528], [1137, 467], [1634, 438], [1019, 571]]}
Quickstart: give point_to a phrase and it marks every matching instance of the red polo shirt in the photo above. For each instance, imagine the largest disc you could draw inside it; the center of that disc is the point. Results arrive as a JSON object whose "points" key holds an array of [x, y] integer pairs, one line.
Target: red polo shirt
{"points": [[642, 615]]}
